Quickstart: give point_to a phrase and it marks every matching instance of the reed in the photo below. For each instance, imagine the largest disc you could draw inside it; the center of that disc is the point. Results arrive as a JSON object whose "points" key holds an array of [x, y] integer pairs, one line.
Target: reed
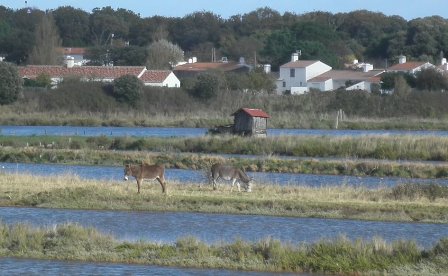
{"points": [[425, 148], [347, 202], [339, 255]]}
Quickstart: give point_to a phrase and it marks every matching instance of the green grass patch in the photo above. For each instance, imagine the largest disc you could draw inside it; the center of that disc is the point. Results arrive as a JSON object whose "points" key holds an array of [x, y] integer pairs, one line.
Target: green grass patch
{"points": [[341, 255]]}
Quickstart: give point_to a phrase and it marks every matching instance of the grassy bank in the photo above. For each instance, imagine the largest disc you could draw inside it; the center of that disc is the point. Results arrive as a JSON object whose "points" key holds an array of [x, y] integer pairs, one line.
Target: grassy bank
{"points": [[72, 242], [404, 203], [354, 167], [426, 148]]}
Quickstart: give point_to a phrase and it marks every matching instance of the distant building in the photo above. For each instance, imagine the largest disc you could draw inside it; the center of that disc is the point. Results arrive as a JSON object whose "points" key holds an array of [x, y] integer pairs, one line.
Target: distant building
{"points": [[250, 122], [411, 67], [295, 74], [193, 68], [76, 53], [299, 76], [100, 73]]}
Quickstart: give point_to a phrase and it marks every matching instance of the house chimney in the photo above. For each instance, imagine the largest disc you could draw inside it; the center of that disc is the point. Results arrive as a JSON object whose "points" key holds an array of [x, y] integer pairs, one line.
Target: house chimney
{"points": [[267, 68], [70, 61], [401, 59], [295, 57], [366, 67]]}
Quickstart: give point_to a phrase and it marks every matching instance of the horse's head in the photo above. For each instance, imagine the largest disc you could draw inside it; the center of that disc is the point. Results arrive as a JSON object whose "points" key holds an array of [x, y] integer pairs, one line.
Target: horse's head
{"points": [[249, 185], [127, 171]]}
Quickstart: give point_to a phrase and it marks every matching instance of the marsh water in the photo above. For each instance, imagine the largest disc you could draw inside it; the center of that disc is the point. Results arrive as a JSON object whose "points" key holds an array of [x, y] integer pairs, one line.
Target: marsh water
{"points": [[14, 266], [115, 174], [168, 227], [190, 132]]}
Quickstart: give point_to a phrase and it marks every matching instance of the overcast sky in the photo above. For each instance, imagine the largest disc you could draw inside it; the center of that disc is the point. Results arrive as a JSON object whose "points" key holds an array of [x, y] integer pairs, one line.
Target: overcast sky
{"points": [[408, 9]]}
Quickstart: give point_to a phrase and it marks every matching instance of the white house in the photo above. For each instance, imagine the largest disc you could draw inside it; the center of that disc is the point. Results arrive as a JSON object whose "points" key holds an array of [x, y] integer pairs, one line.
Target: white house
{"points": [[163, 78], [100, 73], [411, 67], [295, 74], [350, 79]]}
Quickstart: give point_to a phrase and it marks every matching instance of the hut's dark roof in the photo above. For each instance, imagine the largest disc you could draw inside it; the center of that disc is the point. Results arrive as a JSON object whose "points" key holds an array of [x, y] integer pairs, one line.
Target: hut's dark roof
{"points": [[253, 112]]}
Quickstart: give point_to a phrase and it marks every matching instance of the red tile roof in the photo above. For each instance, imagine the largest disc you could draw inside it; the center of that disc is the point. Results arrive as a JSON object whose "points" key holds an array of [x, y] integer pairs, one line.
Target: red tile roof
{"points": [[407, 66], [298, 64], [155, 76], [253, 112], [102, 72], [346, 75]]}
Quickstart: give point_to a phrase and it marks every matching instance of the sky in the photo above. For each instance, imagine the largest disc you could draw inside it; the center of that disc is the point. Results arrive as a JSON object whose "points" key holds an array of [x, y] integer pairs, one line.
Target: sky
{"points": [[408, 9]]}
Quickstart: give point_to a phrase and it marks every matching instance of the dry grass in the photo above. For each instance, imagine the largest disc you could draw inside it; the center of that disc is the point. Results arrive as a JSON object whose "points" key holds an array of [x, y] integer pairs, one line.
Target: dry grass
{"points": [[327, 202]]}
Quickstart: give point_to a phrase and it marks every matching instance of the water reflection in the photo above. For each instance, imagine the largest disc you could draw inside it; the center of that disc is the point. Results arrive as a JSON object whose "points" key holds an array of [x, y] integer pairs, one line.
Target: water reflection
{"points": [[167, 227]]}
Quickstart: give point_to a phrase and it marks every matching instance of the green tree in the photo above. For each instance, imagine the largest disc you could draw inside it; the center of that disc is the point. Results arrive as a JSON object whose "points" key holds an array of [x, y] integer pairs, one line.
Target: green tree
{"points": [[129, 56], [45, 51], [127, 89], [73, 25], [163, 54], [10, 83], [430, 79], [205, 87]]}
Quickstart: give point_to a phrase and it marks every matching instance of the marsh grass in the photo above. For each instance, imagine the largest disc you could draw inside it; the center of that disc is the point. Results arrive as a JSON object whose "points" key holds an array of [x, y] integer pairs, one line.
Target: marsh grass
{"points": [[347, 202], [428, 148], [339, 255]]}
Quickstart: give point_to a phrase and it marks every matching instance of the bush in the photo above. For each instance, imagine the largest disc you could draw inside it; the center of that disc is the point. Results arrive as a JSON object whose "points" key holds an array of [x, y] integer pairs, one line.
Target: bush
{"points": [[10, 83], [127, 89], [205, 87]]}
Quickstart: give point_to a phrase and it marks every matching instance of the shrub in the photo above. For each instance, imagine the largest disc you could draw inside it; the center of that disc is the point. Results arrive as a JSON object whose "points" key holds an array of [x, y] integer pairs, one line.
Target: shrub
{"points": [[127, 89], [10, 83]]}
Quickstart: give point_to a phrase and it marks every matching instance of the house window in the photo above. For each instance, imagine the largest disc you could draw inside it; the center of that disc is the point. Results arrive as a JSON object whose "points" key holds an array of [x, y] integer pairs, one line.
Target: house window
{"points": [[284, 84], [292, 73]]}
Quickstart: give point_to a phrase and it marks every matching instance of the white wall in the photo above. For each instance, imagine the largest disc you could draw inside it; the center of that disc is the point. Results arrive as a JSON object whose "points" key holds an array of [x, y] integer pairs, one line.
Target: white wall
{"points": [[359, 86], [302, 75], [322, 85], [171, 81]]}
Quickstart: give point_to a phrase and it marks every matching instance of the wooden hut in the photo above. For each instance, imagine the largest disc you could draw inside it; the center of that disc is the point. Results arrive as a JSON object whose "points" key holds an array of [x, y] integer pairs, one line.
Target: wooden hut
{"points": [[250, 122]]}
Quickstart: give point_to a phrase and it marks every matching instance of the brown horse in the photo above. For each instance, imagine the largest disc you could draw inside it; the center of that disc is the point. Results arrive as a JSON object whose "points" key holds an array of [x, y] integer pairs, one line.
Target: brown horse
{"points": [[145, 171]]}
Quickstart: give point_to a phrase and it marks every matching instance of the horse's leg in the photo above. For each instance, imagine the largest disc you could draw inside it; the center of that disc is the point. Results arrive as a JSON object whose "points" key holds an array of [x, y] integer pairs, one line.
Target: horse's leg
{"points": [[214, 183], [162, 183], [139, 181], [233, 184], [238, 185]]}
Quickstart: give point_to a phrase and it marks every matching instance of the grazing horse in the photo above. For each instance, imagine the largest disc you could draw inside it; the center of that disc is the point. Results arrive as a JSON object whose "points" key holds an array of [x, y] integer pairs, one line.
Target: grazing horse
{"points": [[228, 172], [145, 171]]}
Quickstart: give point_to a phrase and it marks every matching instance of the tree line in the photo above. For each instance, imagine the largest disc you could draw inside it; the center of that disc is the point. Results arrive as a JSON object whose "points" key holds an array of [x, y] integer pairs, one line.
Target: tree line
{"points": [[263, 35]]}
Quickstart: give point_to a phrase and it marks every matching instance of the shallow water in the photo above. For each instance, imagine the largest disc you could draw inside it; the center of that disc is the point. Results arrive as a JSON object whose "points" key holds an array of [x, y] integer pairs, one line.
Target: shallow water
{"points": [[167, 227], [115, 174], [191, 132], [13, 266]]}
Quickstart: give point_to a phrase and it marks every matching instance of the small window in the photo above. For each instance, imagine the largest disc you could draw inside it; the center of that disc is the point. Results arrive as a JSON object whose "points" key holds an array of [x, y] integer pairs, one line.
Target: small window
{"points": [[292, 73], [284, 84]]}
